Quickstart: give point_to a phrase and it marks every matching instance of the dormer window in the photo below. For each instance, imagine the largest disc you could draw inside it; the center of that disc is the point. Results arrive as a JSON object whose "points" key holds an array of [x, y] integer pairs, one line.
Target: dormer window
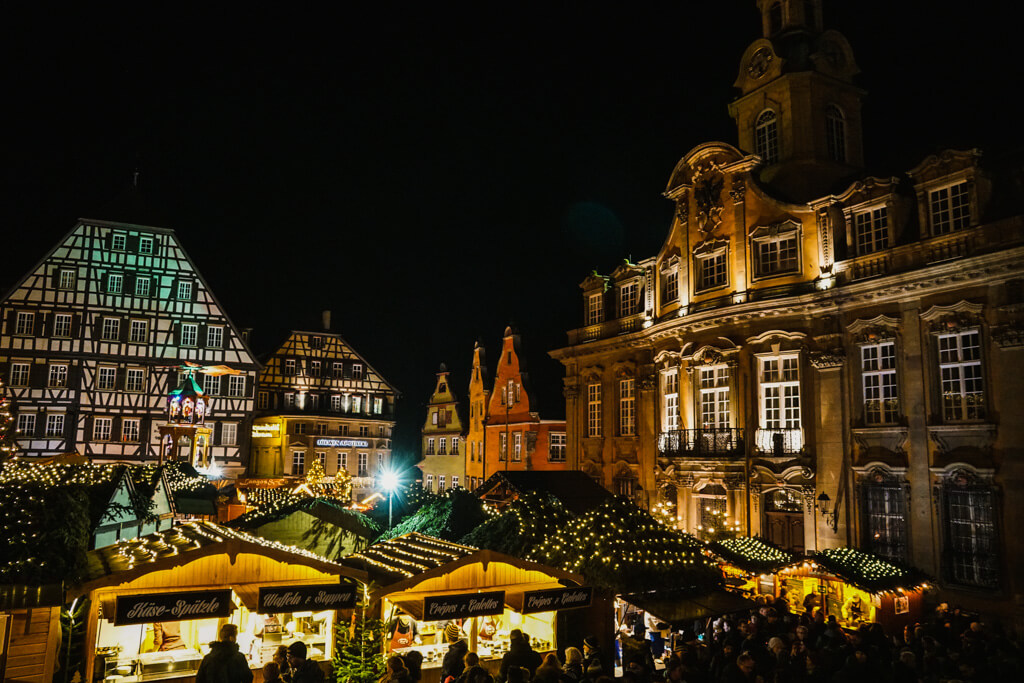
{"points": [[711, 270], [595, 308], [629, 299], [776, 250], [835, 133], [766, 132], [950, 208], [871, 227], [670, 286]]}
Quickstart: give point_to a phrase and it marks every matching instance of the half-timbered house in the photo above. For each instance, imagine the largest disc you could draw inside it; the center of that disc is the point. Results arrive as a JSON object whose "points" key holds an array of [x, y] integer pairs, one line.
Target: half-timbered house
{"points": [[320, 401], [92, 337]]}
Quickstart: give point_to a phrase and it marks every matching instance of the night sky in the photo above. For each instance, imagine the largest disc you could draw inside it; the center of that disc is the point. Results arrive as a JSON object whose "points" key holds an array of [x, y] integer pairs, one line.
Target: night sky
{"points": [[431, 175]]}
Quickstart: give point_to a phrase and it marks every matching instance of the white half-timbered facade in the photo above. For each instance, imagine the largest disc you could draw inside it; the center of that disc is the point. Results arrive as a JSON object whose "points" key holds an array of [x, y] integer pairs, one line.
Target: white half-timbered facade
{"points": [[318, 400], [93, 336]]}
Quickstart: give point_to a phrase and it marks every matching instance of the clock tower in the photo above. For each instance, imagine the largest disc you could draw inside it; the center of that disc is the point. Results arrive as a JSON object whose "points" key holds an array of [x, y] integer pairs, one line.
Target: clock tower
{"points": [[798, 108]]}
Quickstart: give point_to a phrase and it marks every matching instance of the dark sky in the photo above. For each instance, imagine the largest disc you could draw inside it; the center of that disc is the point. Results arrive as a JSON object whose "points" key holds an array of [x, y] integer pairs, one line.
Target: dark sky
{"points": [[431, 174]]}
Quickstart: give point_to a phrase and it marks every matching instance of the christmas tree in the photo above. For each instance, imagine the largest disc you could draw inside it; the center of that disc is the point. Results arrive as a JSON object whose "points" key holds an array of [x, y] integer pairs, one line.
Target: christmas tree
{"points": [[358, 647], [8, 441]]}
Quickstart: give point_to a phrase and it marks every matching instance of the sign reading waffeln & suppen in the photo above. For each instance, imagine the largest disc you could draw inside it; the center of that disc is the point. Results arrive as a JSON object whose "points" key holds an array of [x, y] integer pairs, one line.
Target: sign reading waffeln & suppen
{"points": [[276, 599], [152, 607], [556, 599], [463, 605]]}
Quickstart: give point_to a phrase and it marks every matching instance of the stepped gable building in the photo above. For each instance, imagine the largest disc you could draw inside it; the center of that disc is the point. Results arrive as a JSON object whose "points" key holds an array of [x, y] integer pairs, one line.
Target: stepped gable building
{"points": [[320, 400], [479, 398], [443, 439], [830, 357], [516, 438], [95, 335]]}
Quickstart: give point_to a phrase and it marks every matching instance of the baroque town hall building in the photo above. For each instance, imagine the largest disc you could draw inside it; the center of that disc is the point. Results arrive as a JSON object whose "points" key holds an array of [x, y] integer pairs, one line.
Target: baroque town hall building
{"points": [[827, 356], [94, 339]]}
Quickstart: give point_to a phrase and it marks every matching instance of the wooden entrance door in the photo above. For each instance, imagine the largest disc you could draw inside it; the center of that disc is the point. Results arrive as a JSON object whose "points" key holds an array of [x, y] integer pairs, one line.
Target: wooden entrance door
{"points": [[784, 519]]}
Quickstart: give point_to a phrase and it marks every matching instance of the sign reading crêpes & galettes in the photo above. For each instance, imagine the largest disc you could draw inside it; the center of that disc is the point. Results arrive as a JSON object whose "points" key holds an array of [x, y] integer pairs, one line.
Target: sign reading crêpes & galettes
{"points": [[556, 599], [145, 609], [276, 599], [462, 606]]}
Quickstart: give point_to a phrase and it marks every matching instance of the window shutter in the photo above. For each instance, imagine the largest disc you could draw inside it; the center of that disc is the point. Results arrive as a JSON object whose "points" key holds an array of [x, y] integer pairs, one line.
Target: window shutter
{"points": [[37, 376], [54, 277], [201, 335], [176, 334], [122, 374], [128, 285], [216, 433], [40, 324], [115, 428], [250, 385], [76, 325], [122, 330], [132, 244]]}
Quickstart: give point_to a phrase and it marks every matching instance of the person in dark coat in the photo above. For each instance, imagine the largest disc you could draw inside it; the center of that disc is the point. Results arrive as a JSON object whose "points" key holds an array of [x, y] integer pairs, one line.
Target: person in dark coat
{"points": [[519, 654], [454, 660], [224, 663], [592, 664], [303, 670]]}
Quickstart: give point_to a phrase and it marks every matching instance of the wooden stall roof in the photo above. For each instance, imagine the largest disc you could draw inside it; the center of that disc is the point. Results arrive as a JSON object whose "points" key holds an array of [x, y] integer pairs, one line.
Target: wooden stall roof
{"points": [[869, 572], [26, 596], [183, 543], [752, 555], [405, 562]]}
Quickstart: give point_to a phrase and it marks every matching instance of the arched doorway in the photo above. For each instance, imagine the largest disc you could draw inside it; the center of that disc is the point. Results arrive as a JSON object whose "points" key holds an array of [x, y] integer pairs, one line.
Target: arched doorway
{"points": [[784, 519]]}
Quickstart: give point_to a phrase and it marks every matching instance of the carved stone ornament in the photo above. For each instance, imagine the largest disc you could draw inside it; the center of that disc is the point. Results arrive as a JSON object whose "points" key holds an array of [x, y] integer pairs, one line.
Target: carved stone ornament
{"points": [[879, 328], [1009, 336], [738, 191], [683, 208], [959, 316], [571, 392], [825, 360], [825, 233], [648, 379], [707, 196], [891, 439], [809, 498], [949, 438]]}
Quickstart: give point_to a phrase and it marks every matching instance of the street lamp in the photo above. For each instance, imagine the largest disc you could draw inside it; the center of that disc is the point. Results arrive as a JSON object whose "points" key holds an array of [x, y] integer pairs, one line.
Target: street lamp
{"points": [[389, 482], [827, 512]]}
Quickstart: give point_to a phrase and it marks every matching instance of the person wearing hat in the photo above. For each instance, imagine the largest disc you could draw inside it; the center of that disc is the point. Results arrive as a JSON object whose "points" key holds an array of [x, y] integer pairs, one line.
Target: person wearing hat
{"points": [[224, 663], [303, 670], [592, 657], [519, 654], [453, 662]]}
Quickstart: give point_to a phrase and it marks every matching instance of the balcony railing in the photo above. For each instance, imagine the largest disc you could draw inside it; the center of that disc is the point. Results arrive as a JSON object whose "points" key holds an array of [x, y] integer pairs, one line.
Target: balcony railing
{"points": [[779, 442], [701, 443]]}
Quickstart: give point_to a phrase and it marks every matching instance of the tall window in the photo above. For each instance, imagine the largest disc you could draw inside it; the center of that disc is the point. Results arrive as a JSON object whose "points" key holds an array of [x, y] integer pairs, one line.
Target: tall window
{"points": [[455, 445], [455, 481], [185, 291], [442, 446], [115, 283], [517, 447], [142, 286], [58, 376], [428, 483], [595, 309], [671, 395], [67, 279], [503, 447], [594, 410], [145, 245], [337, 370], [835, 133], [960, 372], [440, 483], [712, 510], [106, 378], [357, 404], [101, 428], [314, 368], [364, 464], [627, 407], [111, 329], [118, 241], [971, 535], [135, 380], [776, 255], [138, 331], [629, 299], [872, 228], [712, 271], [885, 525], [766, 136], [780, 392], [378, 406], [19, 374], [298, 463], [357, 371], [229, 434], [130, 429], [289, 367], [27, 424], [215, 336], [335, 403], [62, 325], [878, 377], [714, 397], [670, 287], [236, 385], [342, 462], [556, 450], [24, 322], [189, 334], [321, 457], [950, 209], [55, 425], [289, 399]]}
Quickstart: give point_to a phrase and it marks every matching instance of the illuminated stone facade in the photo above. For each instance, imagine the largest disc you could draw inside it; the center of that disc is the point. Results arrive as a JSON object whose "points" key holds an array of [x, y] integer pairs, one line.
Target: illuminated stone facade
{"points": [[808, 328], [442, 439]]}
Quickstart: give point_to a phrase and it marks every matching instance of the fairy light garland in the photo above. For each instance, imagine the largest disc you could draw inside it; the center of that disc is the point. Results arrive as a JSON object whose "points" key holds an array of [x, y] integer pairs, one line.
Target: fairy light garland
{"points": [[751, 555], [868, 571]]}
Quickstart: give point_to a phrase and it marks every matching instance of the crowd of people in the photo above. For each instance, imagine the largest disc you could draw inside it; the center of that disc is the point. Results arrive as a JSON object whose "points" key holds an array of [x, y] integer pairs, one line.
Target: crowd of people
{"points": [[770, 644]]}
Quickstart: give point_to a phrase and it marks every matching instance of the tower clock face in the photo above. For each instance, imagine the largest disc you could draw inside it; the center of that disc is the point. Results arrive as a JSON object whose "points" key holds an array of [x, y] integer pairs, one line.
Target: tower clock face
{"points": [[759, 61]]}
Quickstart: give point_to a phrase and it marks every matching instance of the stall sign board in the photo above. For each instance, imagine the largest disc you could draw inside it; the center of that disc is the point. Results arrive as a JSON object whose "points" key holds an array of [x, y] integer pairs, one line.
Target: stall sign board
{"points": [[556, 599], [277, 599], [153, 607], [463, 605]]}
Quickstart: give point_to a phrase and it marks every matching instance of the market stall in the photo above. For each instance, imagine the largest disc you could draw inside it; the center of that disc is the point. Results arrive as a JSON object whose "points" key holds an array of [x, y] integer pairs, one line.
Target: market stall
{"points": [[857, 587], [426, 583], [157, 602], [749, 566]]}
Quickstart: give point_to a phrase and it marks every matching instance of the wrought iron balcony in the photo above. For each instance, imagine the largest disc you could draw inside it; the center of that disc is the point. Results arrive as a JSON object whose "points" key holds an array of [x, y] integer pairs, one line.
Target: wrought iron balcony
{"points": [[779, 442], [701, 443]]}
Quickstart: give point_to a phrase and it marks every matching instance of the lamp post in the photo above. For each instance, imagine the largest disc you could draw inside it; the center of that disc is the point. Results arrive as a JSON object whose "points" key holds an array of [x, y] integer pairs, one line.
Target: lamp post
{"points": [[824, 506], [389, 481]]}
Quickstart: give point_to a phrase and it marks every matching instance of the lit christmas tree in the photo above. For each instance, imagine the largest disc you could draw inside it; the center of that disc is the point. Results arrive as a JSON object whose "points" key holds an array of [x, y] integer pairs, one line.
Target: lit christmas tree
{"points": [[358, 646], [8, 441]]}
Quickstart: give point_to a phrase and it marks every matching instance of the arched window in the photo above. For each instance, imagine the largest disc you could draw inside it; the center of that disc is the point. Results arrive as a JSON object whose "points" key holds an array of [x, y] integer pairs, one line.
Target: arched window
{"points": [[766, 136], [775, 17], [835, 133]]}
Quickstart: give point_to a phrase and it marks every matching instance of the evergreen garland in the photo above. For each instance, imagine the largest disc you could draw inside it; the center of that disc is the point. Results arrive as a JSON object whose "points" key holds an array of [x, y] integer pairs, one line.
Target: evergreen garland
{"points": [[529, 521]]}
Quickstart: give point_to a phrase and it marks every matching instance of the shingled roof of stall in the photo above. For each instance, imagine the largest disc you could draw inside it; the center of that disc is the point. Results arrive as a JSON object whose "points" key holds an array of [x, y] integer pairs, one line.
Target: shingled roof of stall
{"points": [[400, 558], [869, 572], [183, 543], [754, 555]]}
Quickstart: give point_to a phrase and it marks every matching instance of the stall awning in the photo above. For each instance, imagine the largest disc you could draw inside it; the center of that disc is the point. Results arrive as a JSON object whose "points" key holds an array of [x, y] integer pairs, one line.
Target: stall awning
{"points": [[681, 609]]}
